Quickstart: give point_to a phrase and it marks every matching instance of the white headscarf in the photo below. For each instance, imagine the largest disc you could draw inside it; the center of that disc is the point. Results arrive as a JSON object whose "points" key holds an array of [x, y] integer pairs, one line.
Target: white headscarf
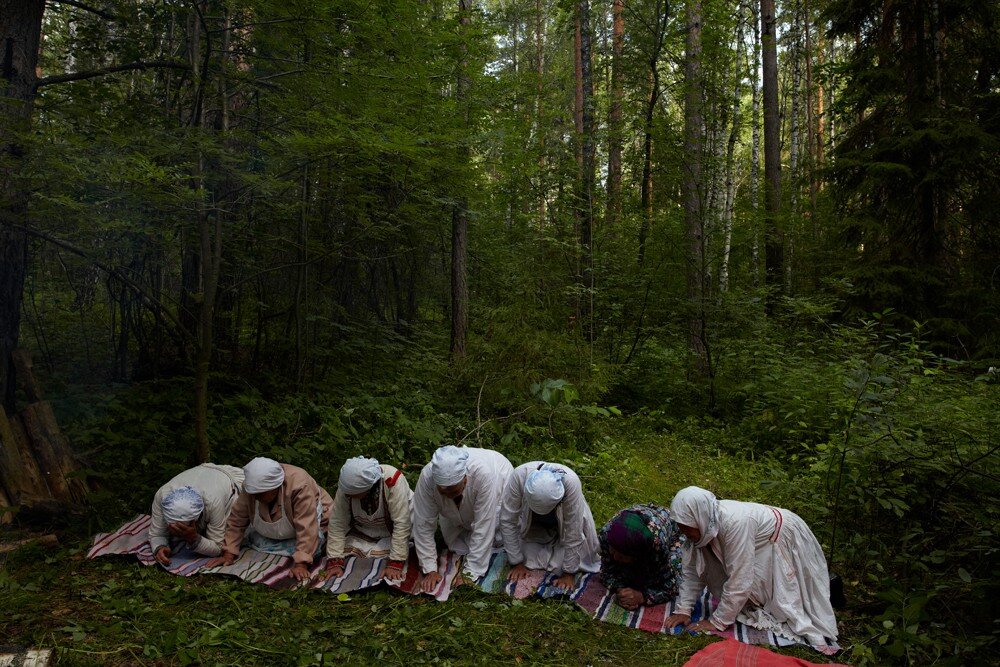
{"points": [[358, 475], [448, 465], [698, 508], [262, 474], [544, 488], [182, 505]]}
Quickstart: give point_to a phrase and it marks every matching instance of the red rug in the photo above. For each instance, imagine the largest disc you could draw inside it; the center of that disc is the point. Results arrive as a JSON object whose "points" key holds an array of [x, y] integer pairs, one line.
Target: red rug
{"points": [[731, 653]]}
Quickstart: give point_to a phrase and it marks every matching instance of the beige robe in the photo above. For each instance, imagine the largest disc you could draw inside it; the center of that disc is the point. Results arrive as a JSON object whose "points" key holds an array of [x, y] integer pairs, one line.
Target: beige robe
{"points": [[396, 496], [300, 493]]}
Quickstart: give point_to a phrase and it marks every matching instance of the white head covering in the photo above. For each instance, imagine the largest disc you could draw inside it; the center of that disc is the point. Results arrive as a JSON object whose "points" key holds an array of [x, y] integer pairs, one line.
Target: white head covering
{"points": [[544, 488], [359, 475], [448, 465], [698, 508], [182, 505], [262, 474]]}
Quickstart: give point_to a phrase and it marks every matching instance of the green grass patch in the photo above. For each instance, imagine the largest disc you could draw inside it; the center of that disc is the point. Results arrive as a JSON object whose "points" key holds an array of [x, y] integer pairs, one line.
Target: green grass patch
{"points": [[115, 611]]}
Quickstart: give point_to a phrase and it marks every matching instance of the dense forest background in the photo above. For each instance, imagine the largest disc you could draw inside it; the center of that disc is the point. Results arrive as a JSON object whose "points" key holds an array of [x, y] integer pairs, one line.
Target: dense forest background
{"points": [[317, 228]]}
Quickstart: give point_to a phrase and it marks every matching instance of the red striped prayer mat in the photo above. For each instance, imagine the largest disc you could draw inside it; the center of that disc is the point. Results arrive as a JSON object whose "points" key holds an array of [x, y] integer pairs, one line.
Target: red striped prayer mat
{"points": [[731, 653]]}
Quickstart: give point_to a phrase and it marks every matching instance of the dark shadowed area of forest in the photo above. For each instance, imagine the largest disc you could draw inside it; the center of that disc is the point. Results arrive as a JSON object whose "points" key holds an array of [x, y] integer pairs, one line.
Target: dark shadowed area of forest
{"points": [[749, 246]]}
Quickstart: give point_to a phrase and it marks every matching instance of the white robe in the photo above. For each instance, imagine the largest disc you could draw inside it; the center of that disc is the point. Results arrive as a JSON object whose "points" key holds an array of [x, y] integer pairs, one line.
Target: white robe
{"points": [[469, 529], [767, 570], [219, 487], [576, 548]]}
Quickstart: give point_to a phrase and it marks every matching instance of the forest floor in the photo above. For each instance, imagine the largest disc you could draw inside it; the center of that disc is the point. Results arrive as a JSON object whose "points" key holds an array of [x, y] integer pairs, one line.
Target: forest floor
{"points": [[116, 611]]}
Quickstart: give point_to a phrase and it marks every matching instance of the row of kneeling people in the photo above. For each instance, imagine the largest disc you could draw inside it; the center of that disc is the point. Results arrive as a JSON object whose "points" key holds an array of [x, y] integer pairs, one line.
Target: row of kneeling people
{"points": [[761, 563]]}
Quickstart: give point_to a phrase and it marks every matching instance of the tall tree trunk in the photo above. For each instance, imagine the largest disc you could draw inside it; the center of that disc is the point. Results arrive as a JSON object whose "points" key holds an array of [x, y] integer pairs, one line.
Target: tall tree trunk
{"points": [[20, 35], [539, 125], [614, 186], [459, 217], [693, 214], [795, 53], [755, 144], [774, 240], [646, 188], [585, 198], [730, 202], [210, 244]]}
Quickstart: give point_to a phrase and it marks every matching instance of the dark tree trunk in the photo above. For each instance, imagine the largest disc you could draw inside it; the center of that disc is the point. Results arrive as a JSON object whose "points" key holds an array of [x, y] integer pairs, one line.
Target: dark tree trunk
{"points": [[614, 187], [585, 199], [460, 217], [20, 35], [774, 241], [693, 214]]}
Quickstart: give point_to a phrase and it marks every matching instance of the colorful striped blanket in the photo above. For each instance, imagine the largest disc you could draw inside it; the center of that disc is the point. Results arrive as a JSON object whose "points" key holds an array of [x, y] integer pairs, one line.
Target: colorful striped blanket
{"points": [[273, 570]]}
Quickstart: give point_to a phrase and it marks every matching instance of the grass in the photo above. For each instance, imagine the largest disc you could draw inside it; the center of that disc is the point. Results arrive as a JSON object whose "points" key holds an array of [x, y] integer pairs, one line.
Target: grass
{"points": [[115, 611]]}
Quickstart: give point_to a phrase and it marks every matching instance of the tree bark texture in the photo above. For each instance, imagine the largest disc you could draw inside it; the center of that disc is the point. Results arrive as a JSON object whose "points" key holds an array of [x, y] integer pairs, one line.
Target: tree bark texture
{"points": [[774, 240], [20, 35], [585, 198], [694, 223], [614, 186], [459, 218]]}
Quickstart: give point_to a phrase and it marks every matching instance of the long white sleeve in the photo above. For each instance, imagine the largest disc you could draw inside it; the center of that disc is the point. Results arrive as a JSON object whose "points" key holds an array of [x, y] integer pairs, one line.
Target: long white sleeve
{"points": [[340, 524], [426, 508], [691, 583], [739, 541], [574, 509], [159, 536], [484, 525], [398, 498], [511, 510]]}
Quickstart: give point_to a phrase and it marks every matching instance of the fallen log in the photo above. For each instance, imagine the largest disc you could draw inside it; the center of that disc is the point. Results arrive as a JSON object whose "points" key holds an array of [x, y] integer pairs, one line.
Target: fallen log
{"points": [[37, 468]]}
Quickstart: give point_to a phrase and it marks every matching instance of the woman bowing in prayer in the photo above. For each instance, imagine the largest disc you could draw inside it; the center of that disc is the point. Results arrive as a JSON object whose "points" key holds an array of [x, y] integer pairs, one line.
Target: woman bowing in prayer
{"points": [[193, 507], [641, 556], [282, 510], [371, 517], [460, 490], [762, 563], [546, 523]]}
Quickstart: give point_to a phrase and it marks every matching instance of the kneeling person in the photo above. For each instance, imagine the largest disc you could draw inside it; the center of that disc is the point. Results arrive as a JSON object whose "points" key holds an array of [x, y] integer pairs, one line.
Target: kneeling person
{"points": [[461, 490], [641, 556], [282, 510], [371, 516], [194, 507], [546, 523]]}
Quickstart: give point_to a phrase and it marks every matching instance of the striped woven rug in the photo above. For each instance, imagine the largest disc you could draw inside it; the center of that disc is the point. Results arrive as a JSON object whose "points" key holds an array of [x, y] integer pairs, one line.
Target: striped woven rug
{"points": [[272, 570], [590, 595]]}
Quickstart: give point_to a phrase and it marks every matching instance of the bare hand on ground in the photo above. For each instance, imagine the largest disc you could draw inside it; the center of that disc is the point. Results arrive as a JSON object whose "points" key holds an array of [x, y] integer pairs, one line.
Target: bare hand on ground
{"points": [[162, 556], [676, 620], [702, 626], [225, 559], [565, 582], [393, 572], [430, 582], [518, 572], [301, 572], [629, 598]]}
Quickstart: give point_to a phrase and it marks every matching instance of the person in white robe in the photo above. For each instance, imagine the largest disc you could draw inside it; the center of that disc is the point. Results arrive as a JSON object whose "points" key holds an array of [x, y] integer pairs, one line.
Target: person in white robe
{"points": [[370, 518], [547, 524], [193, 507], [459, 490], [762, 563]]}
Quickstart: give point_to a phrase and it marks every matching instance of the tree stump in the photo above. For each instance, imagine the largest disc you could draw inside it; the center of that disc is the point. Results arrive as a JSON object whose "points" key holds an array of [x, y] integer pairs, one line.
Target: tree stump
{"points": [[37, 467]]}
